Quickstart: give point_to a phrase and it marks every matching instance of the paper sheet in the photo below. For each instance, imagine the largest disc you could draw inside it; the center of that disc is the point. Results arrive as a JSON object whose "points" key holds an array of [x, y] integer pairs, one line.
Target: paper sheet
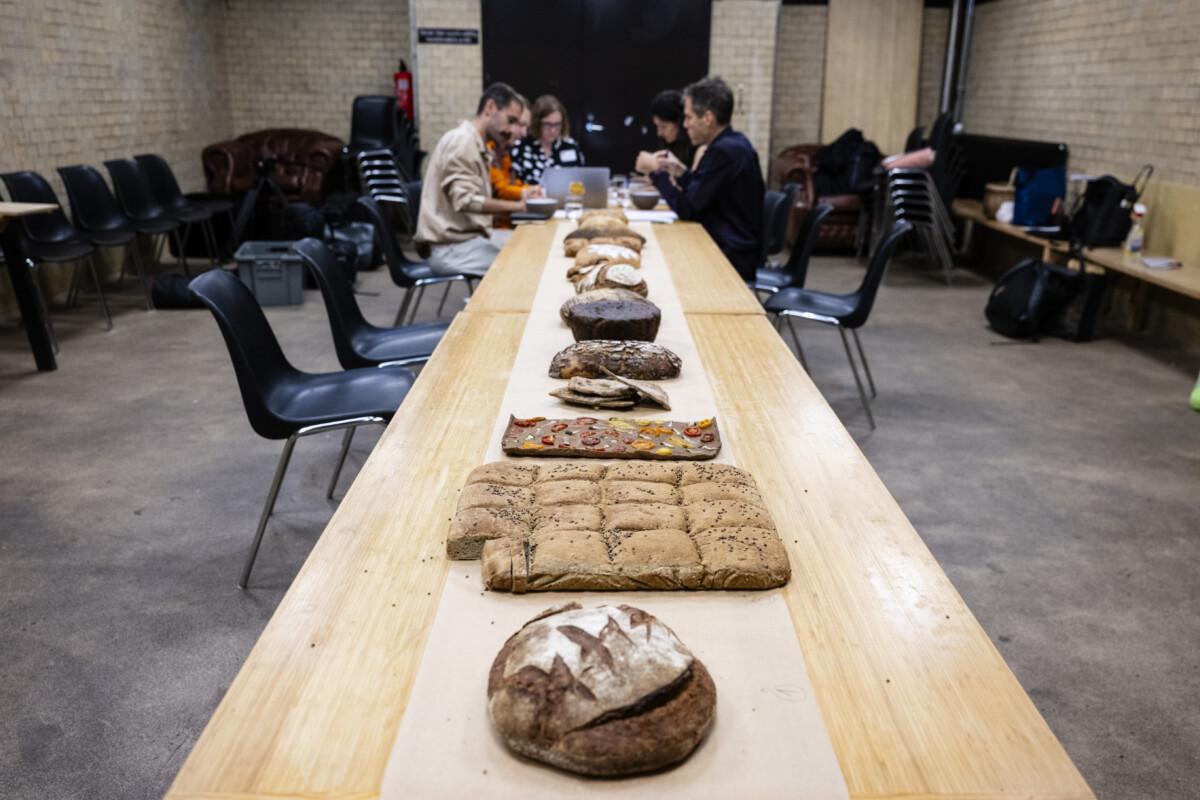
{"points": [[769, 739]]}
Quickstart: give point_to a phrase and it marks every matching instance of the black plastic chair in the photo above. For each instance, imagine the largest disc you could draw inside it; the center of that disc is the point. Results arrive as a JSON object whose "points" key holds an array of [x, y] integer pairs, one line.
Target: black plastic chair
{"points": [[52, 239], [359, 343], [167, 194], [795, 271], [777, 207], [99, 220], [408, 275], [281, 401], [843, 311], [138, 204], [373, 123]]}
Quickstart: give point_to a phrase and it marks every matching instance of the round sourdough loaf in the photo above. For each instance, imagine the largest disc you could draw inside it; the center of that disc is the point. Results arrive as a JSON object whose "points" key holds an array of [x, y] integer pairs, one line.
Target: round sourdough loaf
{"points": [[604, 691]]}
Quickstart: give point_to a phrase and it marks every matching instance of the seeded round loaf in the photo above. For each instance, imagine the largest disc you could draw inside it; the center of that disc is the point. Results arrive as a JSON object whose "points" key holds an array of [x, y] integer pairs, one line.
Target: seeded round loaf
{"points": [[601, 691]]}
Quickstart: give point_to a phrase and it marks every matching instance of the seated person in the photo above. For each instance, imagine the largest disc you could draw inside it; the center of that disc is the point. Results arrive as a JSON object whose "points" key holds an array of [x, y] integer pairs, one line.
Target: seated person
{"points": [[456, 197], [549, 143], [505, 185], [724, 192], [666, 112]]}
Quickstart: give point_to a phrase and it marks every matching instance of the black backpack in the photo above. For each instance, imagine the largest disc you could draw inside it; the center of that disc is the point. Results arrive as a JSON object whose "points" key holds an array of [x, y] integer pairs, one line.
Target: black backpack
{"points": [[1030, 297], [1103, 215]]}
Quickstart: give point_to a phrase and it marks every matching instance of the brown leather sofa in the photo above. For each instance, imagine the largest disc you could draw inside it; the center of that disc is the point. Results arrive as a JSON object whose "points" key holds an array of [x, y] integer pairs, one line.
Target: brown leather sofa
{"points": [[305, 170], [840, 229]]}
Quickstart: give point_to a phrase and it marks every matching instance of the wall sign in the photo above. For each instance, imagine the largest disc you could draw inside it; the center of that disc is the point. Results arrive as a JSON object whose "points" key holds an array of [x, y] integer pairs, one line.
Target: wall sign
{"points": [[447, 35]]}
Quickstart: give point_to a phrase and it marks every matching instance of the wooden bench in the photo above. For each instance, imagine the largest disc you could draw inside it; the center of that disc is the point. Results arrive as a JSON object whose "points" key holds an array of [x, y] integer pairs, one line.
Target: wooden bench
{"points": [[1184, 281]]}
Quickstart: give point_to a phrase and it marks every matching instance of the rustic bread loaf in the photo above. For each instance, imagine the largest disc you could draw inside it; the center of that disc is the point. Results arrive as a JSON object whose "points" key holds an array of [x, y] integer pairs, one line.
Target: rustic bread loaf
{"points": [[601, 691], [638, 360], [602, 223], [607, 254], [612, 276], [615, 213], [615, 319], [579, 238], [596, 294]]}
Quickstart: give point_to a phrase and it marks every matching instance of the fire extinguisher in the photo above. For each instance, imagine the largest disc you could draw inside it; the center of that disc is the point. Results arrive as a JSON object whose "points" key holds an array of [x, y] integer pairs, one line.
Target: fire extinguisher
{"points": [[404, 93]]}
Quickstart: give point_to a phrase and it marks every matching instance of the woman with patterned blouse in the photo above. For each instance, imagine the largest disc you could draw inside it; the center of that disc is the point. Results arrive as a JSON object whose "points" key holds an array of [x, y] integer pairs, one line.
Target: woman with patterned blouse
{"points": [[549, 143]]}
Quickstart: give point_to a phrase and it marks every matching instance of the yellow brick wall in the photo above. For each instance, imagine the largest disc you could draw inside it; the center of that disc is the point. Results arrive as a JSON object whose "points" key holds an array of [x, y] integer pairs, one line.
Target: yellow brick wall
{"points": [[1118, 81], [799, 71], [935, 30], [300, 63], [449, 77], [742, 51]]}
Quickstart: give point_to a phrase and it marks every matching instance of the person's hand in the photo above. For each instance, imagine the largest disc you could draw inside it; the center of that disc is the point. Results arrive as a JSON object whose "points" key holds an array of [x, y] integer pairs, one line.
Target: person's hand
{"points": [[646, 162], [532, 191], [668, 163]]}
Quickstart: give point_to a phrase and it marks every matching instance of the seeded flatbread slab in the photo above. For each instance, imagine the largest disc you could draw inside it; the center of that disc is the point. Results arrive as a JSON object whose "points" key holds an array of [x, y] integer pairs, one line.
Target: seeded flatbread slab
{"points": [[591, 437]]}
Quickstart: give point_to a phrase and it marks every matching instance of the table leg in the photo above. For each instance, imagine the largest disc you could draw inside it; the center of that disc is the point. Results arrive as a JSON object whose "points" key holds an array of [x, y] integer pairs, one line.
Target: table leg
{"points": [[27, 300]]}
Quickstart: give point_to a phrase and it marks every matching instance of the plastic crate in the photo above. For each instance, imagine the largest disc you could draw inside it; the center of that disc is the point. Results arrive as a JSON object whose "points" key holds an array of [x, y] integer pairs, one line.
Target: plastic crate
{"points": [[273, 271]]}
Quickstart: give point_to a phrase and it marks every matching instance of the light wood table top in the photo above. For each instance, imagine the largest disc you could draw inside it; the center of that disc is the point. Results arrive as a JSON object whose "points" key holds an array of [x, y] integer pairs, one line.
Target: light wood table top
{"points": [[917, 701], [1185, 280], [9, 210]]}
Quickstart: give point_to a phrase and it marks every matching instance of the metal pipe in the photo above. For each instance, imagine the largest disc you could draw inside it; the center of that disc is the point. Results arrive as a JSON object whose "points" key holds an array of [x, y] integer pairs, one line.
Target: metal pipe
{"points": [[951, 52], [964, 54]]}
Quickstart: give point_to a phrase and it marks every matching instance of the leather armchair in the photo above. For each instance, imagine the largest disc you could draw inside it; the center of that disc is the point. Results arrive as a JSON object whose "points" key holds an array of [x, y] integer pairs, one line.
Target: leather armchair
{"points": [[839, 230], [307, 162]]}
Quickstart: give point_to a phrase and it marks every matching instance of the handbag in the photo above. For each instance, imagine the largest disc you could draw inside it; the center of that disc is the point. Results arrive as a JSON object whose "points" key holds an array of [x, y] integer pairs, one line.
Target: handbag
{"points": [[1103, 215], [1035, 192]]}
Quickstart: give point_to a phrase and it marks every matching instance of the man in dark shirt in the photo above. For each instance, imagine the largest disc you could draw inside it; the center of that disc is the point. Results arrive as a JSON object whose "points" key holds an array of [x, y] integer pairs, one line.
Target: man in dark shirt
{"points": [[724, 192]]}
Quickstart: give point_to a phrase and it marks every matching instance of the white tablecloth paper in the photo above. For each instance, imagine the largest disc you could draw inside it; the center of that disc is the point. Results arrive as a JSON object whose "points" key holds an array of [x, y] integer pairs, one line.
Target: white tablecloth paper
{"points": [[768, 740]]}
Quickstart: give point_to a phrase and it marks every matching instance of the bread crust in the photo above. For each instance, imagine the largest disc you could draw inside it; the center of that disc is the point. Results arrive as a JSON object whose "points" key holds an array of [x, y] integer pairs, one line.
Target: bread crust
{"points": [[640, 704]]}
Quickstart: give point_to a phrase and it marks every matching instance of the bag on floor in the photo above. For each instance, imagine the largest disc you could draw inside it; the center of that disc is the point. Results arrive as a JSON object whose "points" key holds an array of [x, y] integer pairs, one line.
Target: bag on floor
{"points": [[171, 291], [1104, 213], [1028, 298]]}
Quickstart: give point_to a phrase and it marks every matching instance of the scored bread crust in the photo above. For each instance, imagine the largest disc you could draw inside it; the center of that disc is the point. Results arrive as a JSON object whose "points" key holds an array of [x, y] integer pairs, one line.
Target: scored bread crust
{"points": [[649, 732]]}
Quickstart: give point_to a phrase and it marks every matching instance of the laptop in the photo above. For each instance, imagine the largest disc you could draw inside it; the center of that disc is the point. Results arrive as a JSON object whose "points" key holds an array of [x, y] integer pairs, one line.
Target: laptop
{"points": [[556, 181]]}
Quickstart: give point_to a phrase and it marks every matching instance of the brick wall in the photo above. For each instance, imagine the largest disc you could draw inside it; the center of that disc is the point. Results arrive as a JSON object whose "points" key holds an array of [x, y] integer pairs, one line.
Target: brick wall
{"points": [[449, 77], [742, 51], [83, 82], [935, 31], [1118, 81], [300, 63], [799, 71]]}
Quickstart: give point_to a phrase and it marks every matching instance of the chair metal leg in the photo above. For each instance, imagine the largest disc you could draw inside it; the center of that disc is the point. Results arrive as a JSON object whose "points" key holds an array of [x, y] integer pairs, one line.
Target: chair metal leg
{"points": [[179, 242], [416, 304], [91, 260], [210, 241], [341, 460], [866, 366], [280, 471], [134, 253], [796, 339], [862, 395], [445, 295], [400, 313]]}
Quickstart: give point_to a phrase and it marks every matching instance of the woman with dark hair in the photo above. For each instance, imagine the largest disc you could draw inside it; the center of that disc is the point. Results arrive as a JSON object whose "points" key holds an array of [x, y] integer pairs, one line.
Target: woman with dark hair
{"points": [[549, 143], [666, 111]]}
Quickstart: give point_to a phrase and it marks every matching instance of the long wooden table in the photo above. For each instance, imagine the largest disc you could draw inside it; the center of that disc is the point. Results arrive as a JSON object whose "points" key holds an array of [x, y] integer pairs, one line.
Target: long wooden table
{"points": [[24, 289], [917, 700]]}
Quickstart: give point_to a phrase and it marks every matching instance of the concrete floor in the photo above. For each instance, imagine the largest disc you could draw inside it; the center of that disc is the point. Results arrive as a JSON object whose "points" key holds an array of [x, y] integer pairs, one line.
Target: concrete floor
{"points": [[1058, 485]]}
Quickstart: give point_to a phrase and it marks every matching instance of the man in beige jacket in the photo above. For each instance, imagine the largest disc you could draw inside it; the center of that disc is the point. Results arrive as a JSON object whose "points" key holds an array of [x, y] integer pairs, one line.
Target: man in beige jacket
{"points": [[456, 199]]}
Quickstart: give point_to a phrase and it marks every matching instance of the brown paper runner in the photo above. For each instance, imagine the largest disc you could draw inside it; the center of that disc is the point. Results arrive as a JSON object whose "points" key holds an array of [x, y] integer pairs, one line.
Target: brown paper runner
{"points": [[769, 739]]}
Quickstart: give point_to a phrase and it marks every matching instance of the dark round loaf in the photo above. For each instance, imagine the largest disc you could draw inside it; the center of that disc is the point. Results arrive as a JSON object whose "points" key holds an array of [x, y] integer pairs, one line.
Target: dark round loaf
{"points": [[615, 319]]}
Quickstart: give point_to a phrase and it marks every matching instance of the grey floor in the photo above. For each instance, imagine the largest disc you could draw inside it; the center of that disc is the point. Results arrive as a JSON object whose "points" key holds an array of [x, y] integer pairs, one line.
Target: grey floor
{"points": [[1058, 485]]}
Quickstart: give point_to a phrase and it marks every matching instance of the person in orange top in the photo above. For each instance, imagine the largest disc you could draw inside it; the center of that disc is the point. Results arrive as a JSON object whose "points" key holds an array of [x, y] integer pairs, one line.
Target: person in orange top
{"points": [[506, 185]]}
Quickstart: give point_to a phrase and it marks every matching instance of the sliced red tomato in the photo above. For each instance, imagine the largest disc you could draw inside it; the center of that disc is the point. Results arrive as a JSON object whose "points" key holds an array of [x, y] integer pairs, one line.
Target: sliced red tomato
{"points": [[558, 426], [585, 420], [692, 432]]}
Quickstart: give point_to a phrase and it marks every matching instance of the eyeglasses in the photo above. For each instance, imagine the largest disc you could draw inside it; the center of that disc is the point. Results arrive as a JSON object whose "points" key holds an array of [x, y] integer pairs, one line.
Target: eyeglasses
{"points": [[553, 125]]}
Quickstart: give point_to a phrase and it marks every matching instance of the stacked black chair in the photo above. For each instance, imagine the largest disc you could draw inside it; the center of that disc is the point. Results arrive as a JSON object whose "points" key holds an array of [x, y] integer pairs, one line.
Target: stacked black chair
{"points": [[412, 276], [99, 220], [359, 343], [167, 194], [138, 204], [795, 270], [52, 239], [777, 208], [281, 401], [843, 311]]}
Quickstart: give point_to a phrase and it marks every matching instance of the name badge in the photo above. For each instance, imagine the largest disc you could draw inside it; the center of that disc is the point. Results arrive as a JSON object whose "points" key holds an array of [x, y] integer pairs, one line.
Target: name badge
{"points": [[568, 157]]}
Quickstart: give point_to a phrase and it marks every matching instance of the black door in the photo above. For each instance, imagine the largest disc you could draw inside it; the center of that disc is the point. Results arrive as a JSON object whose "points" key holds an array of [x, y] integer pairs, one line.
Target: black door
{"points": [[604, 59]]}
